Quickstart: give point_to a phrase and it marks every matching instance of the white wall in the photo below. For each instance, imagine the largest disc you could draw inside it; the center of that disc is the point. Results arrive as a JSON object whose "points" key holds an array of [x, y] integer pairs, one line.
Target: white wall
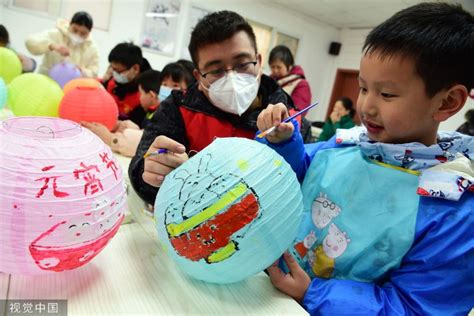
{"points": [[127, 22], [349, 57]]}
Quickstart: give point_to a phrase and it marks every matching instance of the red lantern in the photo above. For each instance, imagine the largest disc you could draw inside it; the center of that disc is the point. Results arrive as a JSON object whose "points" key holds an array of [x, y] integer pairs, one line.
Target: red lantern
{"points": [[90, 104]]}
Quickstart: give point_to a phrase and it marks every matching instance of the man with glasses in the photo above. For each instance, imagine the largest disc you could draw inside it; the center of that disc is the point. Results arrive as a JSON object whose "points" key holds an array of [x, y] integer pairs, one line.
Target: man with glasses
{"points": [[226, 100]]}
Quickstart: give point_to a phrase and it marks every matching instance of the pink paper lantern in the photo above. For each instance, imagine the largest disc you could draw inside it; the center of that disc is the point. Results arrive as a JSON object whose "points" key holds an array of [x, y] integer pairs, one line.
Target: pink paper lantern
{"points": [[90, 104], [62, 195]]}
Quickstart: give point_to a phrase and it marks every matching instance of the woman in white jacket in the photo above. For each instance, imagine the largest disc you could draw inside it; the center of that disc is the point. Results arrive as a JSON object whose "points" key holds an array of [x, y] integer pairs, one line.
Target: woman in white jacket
{"points": [[67, 42]]}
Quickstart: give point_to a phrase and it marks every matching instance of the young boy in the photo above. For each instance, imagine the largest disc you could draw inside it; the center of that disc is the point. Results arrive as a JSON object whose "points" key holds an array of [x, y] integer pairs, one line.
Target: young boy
{"points": [[126, 62], [389, 210]]}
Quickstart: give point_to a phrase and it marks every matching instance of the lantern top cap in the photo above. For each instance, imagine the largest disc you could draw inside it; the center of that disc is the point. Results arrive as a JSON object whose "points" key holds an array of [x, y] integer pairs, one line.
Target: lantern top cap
{"points": [[40, 127]]}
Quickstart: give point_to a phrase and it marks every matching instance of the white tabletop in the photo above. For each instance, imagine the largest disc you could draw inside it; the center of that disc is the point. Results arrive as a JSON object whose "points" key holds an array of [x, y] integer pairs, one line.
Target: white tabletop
{"points": [[134, 276]]}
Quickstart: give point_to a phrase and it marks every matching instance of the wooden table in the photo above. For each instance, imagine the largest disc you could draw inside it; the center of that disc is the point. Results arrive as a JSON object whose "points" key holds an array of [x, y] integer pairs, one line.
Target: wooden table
{"points": [[134, 276]]}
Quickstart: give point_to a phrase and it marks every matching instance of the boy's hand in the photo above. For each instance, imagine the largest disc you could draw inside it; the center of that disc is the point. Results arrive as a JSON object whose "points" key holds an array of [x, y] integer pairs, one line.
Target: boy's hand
{"points": [[294, 283], [273, 115], [100, 130], [157, 167]]}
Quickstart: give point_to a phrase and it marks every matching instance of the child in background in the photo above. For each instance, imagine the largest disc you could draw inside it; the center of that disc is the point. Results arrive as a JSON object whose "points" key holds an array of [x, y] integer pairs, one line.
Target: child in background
{"points": [[127, 62], [341, 117], [189, 66], [388, 221], [67, 42], [27, 64], [174, 78], [126, 137]]}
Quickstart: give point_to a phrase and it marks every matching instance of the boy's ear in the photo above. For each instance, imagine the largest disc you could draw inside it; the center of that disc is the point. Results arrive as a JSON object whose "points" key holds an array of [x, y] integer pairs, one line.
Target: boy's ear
{"points": [[452, 102]]}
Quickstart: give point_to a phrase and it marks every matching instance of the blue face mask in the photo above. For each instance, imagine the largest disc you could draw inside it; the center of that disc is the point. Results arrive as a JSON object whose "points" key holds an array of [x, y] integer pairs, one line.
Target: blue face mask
{"points": [[164, 93]]}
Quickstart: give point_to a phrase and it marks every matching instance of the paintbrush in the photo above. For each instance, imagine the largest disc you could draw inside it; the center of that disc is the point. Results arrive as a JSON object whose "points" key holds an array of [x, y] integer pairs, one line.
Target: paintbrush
{"points": [[271, 129]]}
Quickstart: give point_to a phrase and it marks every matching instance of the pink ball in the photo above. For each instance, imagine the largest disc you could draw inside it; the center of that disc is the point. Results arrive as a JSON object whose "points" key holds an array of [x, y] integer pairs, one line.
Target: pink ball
{"points": [[62, 195]]}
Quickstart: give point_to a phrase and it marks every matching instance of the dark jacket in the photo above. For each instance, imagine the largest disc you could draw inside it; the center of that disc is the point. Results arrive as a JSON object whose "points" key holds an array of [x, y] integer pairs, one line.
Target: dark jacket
{"points": [[190, 119]]}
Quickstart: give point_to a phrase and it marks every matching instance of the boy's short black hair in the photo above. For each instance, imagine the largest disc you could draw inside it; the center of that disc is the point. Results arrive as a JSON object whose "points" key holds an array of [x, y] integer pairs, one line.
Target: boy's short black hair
{"points": [[216, 27], [438, 36], [150, 80], [126, 54], [283, 54], [189, 67], [4, 37], [348, 105], [82, 18], [175, 71]]}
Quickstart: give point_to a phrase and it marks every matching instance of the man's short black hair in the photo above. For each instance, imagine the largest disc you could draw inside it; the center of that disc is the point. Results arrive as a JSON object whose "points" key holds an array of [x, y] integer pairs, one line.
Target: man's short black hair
{"points": [[217, 27], [438, 36], [283, 54], [150, 80], [4, 37], [126, 54], [82, 18], [175, 71]]}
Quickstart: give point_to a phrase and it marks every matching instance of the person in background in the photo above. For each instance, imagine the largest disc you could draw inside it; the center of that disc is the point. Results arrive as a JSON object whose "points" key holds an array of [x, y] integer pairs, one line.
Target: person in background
{"points": [[189, 66], [70, 42], [173, 77], [225, 102], [468, 127], [28, 64], [290, 76], [341, 117], [126, 63], [388, 218], [126, 135]]}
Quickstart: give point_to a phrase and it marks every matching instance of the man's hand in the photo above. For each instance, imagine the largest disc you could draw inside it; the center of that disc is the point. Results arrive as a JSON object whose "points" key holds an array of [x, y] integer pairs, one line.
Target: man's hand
{"points": [[295, 283], [273, 115], [157, 167]]}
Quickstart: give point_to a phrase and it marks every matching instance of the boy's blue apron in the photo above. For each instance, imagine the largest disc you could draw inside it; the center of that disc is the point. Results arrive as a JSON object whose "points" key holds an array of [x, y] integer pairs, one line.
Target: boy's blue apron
{"points": [[359, 218]]}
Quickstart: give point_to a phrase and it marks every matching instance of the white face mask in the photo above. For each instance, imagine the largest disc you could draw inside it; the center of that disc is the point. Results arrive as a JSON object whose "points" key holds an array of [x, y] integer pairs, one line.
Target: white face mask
{"points": [[120, 78], [76, 39], [234, 93]]}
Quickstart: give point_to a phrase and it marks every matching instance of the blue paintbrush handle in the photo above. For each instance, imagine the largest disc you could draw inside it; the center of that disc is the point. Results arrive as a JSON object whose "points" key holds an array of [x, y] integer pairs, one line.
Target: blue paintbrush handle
{"points": [[300, 112]]}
